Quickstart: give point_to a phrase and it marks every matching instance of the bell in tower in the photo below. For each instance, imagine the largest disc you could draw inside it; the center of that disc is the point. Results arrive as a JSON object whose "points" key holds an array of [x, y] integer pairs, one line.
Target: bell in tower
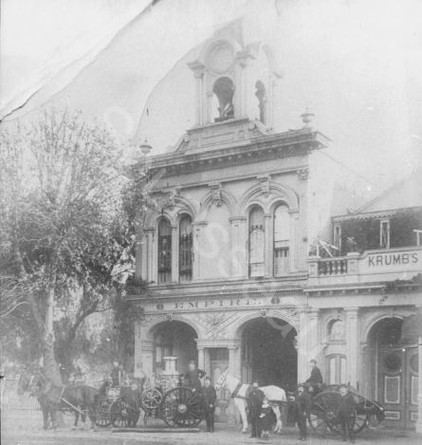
{"points": [[234, 80]]}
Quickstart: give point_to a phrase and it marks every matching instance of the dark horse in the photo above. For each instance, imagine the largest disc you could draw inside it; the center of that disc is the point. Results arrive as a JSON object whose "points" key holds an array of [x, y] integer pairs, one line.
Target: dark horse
{"points": [[79, 399]]}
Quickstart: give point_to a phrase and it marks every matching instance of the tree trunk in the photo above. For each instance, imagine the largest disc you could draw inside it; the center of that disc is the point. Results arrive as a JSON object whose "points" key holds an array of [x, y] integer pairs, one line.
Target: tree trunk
{"points": [[51, 367]]}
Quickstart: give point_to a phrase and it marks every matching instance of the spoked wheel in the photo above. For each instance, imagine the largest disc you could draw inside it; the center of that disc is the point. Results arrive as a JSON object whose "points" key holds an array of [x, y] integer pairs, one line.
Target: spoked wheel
{"points": [[361, 421], [323, 417], [102, 413], [182, 407], [121, 414]]}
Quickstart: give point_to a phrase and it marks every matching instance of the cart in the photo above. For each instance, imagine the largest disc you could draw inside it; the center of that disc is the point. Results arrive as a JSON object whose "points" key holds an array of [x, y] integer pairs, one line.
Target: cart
{"points": [[177, 405], [324, 417]]}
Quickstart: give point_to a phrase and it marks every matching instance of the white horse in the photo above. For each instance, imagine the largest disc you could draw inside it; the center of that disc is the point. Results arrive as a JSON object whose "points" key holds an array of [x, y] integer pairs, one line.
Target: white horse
{"points": [[274, 394]]}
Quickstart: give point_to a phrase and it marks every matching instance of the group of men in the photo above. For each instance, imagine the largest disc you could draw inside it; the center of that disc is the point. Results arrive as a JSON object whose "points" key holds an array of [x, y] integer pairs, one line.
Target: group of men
{"points": [[192, 378], [259, 411], [345, 409]]}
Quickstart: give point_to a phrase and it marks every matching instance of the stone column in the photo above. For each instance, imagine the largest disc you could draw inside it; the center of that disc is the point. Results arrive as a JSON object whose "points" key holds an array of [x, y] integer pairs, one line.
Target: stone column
{"points": [[207, 366], [352, 342], [197, 248], [295, 255], [419, 421], [175, 254], [268, 243], [302, 346], [201, 358], [235, 364], [144, 353], [308, 342], [198, 72], [141, 256], [314, 345], [151, 254]]}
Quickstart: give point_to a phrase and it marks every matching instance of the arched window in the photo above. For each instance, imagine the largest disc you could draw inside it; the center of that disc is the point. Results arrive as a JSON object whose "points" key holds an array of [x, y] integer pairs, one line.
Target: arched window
{"points": [[336, 369], [256, 242], [281, 240], [224, 90], [185, 249], [164, 251]]}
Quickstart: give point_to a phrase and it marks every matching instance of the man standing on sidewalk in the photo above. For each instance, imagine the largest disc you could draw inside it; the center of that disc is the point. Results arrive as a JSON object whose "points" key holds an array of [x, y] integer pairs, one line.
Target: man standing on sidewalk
{"points": [[346, 413], [255, 399], [302, 409], [209, 397]]}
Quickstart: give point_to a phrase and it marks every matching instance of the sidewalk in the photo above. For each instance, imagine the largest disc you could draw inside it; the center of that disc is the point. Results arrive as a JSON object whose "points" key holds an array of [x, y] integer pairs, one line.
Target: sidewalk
{"points": [[24, 428]]}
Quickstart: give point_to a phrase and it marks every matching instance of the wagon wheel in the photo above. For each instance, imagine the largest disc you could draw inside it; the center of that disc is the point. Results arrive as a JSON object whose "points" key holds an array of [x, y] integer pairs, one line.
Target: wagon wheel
{"points": [[120, 414], [323, 416], [362, 413], [102, 413], [182, 407], [361, 421], [151, 399]]}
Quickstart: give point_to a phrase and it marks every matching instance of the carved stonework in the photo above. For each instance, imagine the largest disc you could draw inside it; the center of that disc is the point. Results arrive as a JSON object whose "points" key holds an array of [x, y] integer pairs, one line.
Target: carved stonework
{"points": [[264, 182], [215, 324], [303, 174], [217, 194], [336, 332]]}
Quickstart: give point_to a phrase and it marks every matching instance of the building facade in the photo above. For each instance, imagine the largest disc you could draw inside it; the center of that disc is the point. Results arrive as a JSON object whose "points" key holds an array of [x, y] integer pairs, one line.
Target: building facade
{"points": [[226, 252]]}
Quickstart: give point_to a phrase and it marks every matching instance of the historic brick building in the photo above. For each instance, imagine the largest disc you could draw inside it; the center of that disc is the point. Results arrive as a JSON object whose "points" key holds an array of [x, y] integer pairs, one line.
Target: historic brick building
{"points": [[227, 251]]}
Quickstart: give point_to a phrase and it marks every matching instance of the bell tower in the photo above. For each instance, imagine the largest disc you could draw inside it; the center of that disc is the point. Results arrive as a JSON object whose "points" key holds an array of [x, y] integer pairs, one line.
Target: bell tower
{"points": [[234, 81]]}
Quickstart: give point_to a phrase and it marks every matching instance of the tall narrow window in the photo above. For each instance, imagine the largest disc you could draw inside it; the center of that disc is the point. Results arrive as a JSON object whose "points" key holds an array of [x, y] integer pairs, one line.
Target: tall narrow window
{"points": [[281, 240], [164, 251], [185, 249], [385, 234], [256, 242]]}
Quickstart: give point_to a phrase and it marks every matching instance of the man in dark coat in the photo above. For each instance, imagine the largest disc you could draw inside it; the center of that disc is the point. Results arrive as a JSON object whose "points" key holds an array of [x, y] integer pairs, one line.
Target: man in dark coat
{"points": [[116, 374], [192, 377], [255, 399], [209, 397], [346, 413], [315, 379], [302, 409]]}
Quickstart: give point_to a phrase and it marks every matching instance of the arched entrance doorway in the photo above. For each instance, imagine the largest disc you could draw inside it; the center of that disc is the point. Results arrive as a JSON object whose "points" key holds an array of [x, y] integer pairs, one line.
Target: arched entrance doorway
{"points": [[269, 352], [393, 364], [174, 339]]}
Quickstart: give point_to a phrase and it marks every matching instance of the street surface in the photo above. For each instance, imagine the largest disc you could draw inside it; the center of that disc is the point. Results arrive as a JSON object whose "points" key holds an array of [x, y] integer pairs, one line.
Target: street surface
{"points": [[22, 427]]}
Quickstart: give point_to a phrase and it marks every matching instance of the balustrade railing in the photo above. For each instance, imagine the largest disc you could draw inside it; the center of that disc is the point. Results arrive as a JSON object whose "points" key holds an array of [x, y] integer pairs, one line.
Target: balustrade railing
{"points": [[332, 266]]}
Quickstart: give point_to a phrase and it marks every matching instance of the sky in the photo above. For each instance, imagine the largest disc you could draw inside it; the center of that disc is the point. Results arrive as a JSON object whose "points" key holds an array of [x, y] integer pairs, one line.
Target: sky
{"points": [[363, 84], [38, 37]]}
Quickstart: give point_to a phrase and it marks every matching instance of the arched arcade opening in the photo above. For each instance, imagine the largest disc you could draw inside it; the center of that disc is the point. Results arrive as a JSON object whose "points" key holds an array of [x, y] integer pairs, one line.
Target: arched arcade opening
{"points": [[173, 339], [391, 363], [269, 353]]}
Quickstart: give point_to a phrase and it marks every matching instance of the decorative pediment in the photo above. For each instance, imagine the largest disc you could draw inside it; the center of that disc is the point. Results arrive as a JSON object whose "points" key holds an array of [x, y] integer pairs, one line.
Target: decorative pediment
{"points": [[221, 135]]}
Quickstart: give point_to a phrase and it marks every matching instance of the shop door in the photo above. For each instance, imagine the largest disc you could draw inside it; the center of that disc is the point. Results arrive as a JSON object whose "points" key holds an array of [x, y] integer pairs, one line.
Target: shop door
{"points": [[219, 362], [411, 381], [398, 385]]}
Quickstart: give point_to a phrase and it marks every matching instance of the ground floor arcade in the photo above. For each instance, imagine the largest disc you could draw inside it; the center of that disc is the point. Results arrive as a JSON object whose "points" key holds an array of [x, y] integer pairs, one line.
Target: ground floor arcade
{"points": [[266, 340]]}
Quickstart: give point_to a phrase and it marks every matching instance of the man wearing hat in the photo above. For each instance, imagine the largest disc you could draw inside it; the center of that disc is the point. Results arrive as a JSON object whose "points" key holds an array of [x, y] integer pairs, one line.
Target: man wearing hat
{"points": [[302, 408], [192, 377], [208, 404], [346, 413], [255, 399]]}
